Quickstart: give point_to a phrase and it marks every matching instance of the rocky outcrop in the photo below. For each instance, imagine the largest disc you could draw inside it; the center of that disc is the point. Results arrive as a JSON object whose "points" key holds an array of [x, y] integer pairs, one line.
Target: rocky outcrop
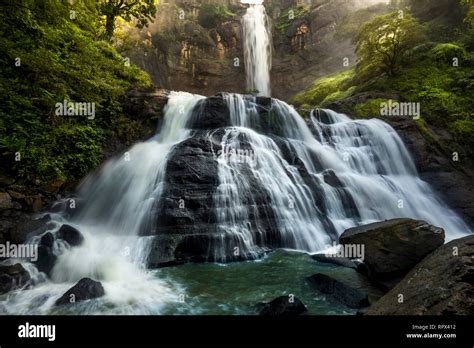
{"points": [[85, 289], [12, 277], [442, 284], [393, 247], [285, 306], [47, 256], [70, 235], [206, 56]]}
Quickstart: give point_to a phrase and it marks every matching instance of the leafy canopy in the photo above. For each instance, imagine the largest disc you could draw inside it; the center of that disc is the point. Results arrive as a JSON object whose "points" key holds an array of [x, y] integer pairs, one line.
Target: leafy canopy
{"points": [[142, 11], [382, 42]]}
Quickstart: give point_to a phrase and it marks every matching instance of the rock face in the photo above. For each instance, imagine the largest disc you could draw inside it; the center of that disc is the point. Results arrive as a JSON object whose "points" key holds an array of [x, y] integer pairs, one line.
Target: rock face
{"points": [[85, 289], [282, 306], [12, 277], [204, 53], [442, 284], [186, 226], [393, 247]]}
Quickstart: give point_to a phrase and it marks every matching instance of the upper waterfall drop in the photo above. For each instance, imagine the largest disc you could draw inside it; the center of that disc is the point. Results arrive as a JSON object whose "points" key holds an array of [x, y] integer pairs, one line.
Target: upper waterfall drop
{"points": [[257, 47]]}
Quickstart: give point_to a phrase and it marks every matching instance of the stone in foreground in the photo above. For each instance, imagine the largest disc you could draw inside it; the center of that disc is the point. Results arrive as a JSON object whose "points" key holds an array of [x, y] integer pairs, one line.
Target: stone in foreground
{"points": [[85, 289], [393, 247], [282, 306], [442, 284]]}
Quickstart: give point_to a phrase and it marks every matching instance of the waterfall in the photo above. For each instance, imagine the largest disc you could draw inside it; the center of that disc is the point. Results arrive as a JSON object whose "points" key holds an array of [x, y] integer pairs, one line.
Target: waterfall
{"points": [[317, 179], [282, 182], [113, 206], [257, 47]]}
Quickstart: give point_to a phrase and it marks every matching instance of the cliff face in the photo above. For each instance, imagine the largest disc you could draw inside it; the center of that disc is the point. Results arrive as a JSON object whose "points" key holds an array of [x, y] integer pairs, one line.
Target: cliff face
{"points": [[197, 47]]}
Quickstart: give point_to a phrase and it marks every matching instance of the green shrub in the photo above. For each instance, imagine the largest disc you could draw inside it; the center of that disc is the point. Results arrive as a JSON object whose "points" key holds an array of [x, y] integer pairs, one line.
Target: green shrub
{"points": [[446, 52], [210, 15]]}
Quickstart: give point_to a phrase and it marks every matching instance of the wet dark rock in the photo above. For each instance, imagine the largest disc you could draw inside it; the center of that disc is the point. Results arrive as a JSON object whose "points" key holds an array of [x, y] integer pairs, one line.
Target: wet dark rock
{"points": [[71, 235], [12, 277], [441, 284], [286, 306], [393, 247], [26, 227], [350, 296], [47, 240], [210, 113], [85, 289], [46, 259]]}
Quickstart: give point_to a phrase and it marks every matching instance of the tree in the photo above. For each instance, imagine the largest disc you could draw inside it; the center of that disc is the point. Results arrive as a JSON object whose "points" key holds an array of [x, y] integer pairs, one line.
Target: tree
{"points": [[382, 42], [141, 10]]}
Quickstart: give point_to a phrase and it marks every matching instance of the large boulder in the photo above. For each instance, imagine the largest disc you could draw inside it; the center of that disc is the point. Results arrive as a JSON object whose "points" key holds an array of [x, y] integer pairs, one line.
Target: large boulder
{"points": [[13, 277], [71, 235], [282, 306], [85, 289], [442, 284], [393, 247]]}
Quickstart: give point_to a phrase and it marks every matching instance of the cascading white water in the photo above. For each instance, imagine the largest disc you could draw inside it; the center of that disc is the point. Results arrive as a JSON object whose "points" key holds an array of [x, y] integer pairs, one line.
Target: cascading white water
{"points": [[117, 203], [357, 172], [257, 47]]}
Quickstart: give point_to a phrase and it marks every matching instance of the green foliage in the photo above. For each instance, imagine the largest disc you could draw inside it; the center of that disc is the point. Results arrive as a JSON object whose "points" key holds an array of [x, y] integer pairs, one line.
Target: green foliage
{"points": [[210, 15], [48, 58], [446, 52], [369, 109], [288, 16], [142, 11], [324, 87], [425, 73], [382, 42]]}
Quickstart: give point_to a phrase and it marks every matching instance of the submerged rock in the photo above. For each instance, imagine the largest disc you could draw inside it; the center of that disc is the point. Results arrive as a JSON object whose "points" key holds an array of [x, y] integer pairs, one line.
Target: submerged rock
{"points": [[71, 235], [441, 284], [12, 277], [85, 289], [282, 306], [353, 297], [393, 247]]}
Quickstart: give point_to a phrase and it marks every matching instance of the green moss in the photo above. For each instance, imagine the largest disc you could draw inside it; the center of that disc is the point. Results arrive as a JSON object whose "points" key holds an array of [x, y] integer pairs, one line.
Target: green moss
{"points": [[369, 109], [338, 85], [289, 15]]}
